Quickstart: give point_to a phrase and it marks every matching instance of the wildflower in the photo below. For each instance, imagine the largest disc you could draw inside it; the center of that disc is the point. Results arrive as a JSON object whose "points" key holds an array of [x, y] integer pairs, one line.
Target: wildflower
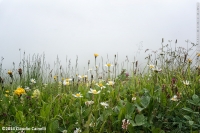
{"points": [[111, 83], [10, 73], [189, 60], [65, 82], [95, 55], [93, 91], [84, 76], [133, 98], [27, 88], [173, 81], [90, 69], [77, 95], [79, 76], [88, 103], [156, 69], [104, 104], [33, 81], [20, 71], [127, 74], [19, 91], [100, 85], [108, 65], [78, 130], [55, 77], [151, 66], [186, 82], [64, 131], [36, 93], [7, 91], [198, 54], [92, 124], [6, 95], [125, 124], [68, 79], [174, 98]]}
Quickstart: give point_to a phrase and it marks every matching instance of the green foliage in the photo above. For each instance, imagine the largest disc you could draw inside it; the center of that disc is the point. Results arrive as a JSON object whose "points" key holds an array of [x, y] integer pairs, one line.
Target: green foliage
{"points": [[163, 98]]}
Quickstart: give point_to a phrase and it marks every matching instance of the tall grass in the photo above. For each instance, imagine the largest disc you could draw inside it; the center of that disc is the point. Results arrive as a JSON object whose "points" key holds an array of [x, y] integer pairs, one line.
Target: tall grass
{"points": [[162, 97]]}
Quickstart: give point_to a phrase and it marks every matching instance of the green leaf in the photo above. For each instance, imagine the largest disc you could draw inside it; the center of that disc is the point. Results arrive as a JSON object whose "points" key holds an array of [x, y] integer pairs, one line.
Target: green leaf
{"points": [[195, 98], [192, 102], [140, 119], [191, 123], [188, 109], [129, 108], [53, 126], [187, 117], [145, 100], [20, 117], [139, 108]]}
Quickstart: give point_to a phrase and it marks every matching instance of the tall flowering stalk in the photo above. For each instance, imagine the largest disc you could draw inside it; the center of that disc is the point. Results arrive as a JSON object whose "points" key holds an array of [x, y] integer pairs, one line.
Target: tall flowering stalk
{"points": [[95, 56]]}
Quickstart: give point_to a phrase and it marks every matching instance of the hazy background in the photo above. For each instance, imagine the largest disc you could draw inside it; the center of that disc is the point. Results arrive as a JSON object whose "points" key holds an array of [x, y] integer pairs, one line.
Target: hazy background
{"points": [[84, 27]]}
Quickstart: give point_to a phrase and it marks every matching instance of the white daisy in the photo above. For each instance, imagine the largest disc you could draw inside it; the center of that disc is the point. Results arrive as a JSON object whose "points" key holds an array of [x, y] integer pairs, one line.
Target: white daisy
{"points": [[93, 91], [77, 95], [104, 104]]}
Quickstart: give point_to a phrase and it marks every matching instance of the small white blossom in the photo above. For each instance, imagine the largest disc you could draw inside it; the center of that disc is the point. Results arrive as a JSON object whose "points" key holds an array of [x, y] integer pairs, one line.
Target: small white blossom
{"points": [[151, 66], [78, 130], [125, 124], [186, 82], [133, 98], [104, 104], [93, 91], [174, 98], [111, 83], [88, 103], [33, 81], [77, 95], [100, 85], [27, 88]]}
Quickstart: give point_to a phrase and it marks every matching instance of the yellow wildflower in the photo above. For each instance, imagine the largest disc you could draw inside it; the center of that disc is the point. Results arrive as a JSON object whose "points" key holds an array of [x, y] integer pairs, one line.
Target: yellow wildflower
{"points": [[19, 91], [198, 54], [55, 77], [190, 60], [9, 72], [7, 91], [95, 55]]}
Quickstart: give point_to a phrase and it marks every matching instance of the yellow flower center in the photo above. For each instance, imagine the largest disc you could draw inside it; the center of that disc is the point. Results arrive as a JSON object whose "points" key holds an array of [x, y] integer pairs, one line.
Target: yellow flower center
{"points": [[110, 82], [94, 92], [108, 64], [55, 77], [78, 95], [95, 55], [151, 66], [9, 72], [100, 85], [67, 83], [189, 60]]}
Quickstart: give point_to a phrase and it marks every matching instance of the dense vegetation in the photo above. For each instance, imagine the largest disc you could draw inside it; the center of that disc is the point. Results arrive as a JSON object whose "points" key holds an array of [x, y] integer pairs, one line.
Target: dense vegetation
{"points": [[164, 97]]}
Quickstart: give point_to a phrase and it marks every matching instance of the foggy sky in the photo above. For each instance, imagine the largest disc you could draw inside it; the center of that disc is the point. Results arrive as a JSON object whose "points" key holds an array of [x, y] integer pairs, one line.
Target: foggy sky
{"points": [[83, 27]]}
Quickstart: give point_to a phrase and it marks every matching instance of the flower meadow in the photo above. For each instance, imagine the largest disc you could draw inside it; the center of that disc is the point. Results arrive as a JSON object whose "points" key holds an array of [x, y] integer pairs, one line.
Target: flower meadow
{"points": [[163, 97]]}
